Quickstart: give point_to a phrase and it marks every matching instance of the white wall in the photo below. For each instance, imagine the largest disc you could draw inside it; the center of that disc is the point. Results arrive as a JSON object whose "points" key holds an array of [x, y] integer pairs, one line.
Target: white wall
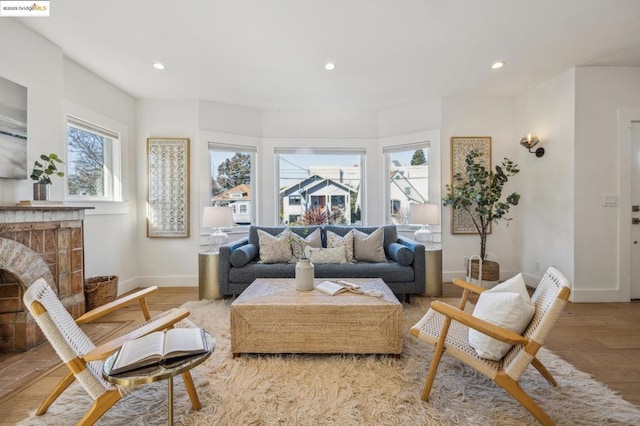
{"points": [[600, 93], [167, 261], [109, 229], [36, 63], [547, 188], [481, 117]]}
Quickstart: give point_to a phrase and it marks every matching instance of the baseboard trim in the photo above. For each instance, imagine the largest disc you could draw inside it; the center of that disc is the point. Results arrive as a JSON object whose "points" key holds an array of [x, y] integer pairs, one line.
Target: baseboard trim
{"points": [[170, 281]]}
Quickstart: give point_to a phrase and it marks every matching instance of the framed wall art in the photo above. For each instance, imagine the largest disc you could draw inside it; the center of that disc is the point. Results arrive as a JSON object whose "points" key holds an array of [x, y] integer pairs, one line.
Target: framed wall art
{"points": [[13, 130], [461, 221], [168, 187]]}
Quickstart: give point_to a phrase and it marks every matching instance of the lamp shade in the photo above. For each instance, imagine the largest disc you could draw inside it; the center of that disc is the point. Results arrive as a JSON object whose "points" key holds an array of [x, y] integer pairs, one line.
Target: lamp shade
{"points": [[217, 217], [424, 214]]}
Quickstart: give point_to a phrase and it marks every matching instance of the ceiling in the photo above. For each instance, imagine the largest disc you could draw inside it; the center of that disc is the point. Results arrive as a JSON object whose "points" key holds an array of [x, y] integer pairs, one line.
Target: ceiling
{"points": [[270, 54]]}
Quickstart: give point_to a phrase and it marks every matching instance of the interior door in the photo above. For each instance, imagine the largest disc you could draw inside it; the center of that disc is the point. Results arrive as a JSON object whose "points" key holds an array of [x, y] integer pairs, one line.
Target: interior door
{"points": [[635, 210]]}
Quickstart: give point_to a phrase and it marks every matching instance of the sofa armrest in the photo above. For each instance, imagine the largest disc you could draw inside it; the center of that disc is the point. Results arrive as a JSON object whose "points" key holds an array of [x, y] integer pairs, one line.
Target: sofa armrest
{"points": [[225, 262], [419, 262]]}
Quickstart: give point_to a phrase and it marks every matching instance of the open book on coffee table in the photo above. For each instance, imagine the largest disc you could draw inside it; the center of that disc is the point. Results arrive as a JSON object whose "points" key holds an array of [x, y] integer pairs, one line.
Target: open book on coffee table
{"points": [[159, 346]]}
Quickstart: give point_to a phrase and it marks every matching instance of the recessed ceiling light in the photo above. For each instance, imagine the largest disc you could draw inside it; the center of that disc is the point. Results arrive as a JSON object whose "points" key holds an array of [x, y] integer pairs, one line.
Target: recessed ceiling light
{"points": [[159, 65], [329, 66], [497, 65]]}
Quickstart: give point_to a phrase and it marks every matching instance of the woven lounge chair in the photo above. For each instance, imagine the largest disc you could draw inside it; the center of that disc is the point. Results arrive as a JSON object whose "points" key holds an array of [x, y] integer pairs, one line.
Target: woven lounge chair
{"points": [[82, 356], [447, 328]]}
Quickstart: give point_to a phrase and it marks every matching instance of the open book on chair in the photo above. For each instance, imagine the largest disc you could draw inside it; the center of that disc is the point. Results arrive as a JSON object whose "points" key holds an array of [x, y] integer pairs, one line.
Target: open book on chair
{"points": [[159, 346]]}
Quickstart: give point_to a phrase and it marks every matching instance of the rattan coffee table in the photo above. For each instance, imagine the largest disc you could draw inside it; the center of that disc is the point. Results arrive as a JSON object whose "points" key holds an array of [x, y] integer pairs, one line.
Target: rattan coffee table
{"points": [[271, 316]]}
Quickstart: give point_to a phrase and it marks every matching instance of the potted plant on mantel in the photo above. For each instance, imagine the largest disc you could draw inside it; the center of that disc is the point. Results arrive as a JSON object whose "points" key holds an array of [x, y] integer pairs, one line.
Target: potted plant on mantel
{"points": [[42, 173], [478, 191]]}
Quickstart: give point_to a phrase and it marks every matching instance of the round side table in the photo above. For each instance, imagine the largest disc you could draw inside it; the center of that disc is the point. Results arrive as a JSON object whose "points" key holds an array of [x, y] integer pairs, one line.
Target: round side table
{"points": [[166, 370]]}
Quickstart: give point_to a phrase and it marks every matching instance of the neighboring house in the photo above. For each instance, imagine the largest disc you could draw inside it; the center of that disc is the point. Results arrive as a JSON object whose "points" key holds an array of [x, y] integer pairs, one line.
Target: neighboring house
{"points": [[409, 185], [239, 199], [315, 192]]}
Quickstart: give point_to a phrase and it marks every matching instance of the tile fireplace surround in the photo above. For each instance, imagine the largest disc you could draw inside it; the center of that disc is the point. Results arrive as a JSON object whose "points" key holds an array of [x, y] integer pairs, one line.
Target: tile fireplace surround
{"points": [[38, 241]]}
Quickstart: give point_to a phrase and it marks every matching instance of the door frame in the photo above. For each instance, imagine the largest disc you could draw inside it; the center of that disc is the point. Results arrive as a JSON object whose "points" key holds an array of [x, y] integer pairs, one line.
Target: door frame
{"points": [[625, 118]]}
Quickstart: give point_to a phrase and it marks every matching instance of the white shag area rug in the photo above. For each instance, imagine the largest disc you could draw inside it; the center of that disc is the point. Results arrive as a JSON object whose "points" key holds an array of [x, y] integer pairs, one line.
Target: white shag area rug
{"points": [[349, 389]]}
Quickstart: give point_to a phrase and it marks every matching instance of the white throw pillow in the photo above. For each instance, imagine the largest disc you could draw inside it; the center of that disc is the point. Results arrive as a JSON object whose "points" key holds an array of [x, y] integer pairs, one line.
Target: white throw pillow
{"points": [[274, 249], [507, 305], [325, 255], [368, 247], [335, 240], [299, 244]]}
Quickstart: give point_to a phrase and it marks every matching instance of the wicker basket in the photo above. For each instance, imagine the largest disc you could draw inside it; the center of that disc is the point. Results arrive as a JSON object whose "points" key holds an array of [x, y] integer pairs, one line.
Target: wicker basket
{"points": [[100, 290], [490, 270]]}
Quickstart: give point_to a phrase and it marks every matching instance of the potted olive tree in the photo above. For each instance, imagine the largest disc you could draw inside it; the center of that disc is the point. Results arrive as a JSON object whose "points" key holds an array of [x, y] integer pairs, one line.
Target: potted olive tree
{"points": [[42, 173], [478, 191]]}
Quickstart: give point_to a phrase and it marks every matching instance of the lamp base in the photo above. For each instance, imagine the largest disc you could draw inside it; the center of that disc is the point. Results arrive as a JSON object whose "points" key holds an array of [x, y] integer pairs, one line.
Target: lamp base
{"points": [[423, 235], [216, 240]]}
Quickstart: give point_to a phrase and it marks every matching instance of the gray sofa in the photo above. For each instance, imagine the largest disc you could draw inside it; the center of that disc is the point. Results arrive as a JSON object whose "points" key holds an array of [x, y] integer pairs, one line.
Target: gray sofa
{"points": [[402, 277]]}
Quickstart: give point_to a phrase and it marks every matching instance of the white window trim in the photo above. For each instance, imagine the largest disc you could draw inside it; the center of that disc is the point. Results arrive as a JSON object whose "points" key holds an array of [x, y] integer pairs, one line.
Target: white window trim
{"points": [[321, 151], [430, 138], [118, 203]]}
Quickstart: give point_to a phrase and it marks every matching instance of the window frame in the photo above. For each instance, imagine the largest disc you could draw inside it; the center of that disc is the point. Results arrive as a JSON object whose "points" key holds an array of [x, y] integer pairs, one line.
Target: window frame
{"points": [[362, 153], [388, 200], [244, 149]]}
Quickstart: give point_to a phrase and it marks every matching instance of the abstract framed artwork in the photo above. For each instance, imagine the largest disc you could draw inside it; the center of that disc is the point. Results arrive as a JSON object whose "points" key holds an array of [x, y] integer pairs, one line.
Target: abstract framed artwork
{"points": [[13, 130], [461, 221], [168, 187]]}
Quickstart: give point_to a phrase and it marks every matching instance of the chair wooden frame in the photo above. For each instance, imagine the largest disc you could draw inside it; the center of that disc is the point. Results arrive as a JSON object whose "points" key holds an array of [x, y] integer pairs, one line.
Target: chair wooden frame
{"points": [[526, 341], [78, 364]]}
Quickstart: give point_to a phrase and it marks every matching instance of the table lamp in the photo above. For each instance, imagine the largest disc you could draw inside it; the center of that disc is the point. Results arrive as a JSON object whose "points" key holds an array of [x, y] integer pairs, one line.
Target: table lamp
{"points": [[423, 214], [216, 218]]}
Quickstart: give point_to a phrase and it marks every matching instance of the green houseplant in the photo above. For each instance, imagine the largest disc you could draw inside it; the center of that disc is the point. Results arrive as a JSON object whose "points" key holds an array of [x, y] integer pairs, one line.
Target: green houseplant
{"points": [[42, 173], [478, 191]]}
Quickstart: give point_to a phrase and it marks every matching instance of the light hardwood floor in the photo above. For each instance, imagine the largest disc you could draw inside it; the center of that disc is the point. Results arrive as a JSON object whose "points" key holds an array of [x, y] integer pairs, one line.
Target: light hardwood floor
{"points": [[602, 339]]}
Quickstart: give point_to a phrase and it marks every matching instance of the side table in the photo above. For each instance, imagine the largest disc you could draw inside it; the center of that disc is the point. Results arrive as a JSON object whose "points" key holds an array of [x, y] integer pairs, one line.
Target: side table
{"points": [[166, 370], [208, 275], [433, 264]]}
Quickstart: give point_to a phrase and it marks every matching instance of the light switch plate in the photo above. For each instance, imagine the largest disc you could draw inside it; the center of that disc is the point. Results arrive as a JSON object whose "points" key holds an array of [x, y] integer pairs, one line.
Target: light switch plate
{"points": [[610, 201]]}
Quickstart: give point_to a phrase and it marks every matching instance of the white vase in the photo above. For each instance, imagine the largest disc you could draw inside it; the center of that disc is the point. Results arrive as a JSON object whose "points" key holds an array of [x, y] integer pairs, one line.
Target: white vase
{"points": [[304, 275]]}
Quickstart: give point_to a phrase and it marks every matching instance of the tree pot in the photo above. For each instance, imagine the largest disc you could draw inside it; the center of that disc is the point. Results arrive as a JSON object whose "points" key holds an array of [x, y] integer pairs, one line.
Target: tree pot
{"points": [[490, 270], [40, 192]]}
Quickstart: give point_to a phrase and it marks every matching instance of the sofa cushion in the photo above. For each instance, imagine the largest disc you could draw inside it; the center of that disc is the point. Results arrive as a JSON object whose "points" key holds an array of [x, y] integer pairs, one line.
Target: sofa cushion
{"points": [[368, 247], [325, 255], [243, 255], [274, 249], [507, 305], [275, 230], [334, 241], [300, 243], [400, 253]]}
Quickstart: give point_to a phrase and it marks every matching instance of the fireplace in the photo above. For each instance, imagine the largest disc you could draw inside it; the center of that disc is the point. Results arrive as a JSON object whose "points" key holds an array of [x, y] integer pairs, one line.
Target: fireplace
{"points": [[38, 242]]}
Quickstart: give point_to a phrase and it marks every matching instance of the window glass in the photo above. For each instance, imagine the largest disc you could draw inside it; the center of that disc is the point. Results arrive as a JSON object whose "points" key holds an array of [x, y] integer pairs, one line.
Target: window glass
{"points": [[231, 182], [92, 161], [320, 188], [408, 181]]}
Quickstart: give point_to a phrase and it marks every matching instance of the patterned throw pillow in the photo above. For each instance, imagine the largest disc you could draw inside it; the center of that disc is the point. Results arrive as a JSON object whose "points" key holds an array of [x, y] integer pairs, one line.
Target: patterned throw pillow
{"points": [[299, 244], [368, 247], [274, 249], [326, 255], [334, 240]]}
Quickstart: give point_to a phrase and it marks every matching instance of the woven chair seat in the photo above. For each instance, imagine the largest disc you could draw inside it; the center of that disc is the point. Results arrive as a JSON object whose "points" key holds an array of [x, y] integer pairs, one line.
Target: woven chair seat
{"points": [[456, 344]]}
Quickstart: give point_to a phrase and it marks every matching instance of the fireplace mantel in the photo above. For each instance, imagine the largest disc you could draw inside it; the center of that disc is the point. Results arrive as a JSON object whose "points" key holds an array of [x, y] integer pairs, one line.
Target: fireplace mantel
{"points": [[38, 241]]}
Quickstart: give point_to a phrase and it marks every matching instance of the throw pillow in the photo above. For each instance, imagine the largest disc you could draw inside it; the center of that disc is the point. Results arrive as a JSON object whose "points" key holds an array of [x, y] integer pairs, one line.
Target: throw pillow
{"points": [[400, 253], [326, 255], [334, 240], [368, 247], [299, 243], [507, 305], [274, 249]]}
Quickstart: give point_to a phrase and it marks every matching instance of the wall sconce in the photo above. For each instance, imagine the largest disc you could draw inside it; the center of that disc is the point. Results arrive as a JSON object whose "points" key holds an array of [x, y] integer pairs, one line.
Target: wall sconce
{"points": [[531, 140]]}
